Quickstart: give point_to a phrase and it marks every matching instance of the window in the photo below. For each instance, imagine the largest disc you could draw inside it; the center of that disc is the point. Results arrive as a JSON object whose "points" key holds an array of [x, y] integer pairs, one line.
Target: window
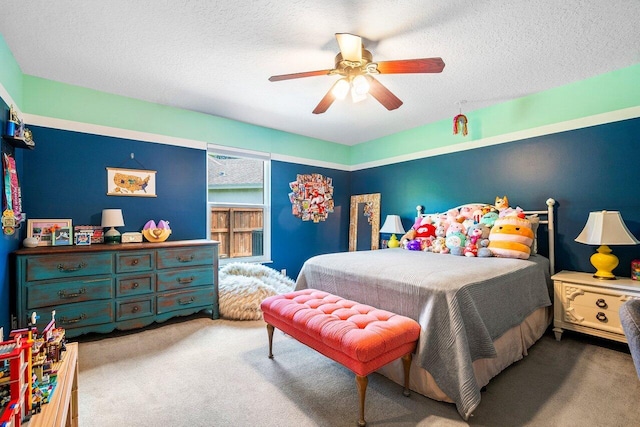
{"points": [[238, 195]]}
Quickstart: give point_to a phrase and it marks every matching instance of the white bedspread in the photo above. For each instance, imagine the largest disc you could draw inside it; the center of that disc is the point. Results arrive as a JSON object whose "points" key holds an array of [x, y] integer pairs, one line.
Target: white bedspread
{"points": [[462, 304]]}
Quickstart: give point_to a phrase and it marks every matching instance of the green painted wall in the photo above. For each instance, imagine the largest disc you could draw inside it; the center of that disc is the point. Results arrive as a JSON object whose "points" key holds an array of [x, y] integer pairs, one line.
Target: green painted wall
{"points": [[63, 101], [10, 73]]}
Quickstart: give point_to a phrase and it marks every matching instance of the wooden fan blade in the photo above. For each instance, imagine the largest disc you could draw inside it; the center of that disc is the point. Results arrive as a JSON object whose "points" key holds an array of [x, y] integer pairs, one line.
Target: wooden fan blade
{"points": [[421, 65], [350, 46], [325, 102], [299, 75], [383, 95]]}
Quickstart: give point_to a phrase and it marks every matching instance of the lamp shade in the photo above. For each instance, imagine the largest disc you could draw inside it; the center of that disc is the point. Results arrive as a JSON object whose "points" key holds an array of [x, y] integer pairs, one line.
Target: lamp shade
{"points": [[606, 228], [392, 224], [112, 218]]}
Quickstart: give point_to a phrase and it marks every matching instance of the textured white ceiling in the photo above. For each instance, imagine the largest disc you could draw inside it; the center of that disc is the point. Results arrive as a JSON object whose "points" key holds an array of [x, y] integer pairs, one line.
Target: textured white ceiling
{"points": [[216, 56]]}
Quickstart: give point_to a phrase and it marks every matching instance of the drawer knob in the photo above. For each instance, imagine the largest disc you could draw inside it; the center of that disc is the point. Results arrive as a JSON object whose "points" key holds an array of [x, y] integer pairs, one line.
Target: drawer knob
{"points": [[64, 320], [184, 280], [64, 295], [186, 301], [66, 268], [135, 261], [135, 309], [601, 316], [135, 285], [601, 303], [185, 258]]}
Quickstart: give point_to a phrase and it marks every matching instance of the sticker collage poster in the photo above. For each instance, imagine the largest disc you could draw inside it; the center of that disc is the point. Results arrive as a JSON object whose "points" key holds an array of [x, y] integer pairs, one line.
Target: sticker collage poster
{"points": [[311, 197]]}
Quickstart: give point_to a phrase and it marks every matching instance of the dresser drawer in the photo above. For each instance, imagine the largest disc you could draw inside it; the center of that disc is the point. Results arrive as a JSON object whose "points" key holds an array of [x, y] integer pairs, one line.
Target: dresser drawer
{"points": [[135, 285], [43, 294], [185, 257], [67, 265], [132, 309], [182, 278], [130, 262], [84, 314], [172, 301]]}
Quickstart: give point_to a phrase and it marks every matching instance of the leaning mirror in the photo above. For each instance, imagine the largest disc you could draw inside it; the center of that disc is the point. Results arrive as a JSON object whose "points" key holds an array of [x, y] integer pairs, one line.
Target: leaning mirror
{"points": [[364, 224]]}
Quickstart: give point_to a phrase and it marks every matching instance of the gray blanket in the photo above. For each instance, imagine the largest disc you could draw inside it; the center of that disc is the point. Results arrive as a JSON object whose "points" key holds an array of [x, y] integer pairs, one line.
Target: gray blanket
{"points": [[462, 304]]}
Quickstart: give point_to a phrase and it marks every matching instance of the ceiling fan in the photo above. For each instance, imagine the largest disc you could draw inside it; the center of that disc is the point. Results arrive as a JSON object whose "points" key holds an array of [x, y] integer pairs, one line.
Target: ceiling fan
{"points": [[355, 64]]}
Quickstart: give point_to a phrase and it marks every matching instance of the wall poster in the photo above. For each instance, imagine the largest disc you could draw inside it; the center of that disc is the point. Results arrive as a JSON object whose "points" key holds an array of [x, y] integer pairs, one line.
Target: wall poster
{"points": [[311, 197], [131, 182]]}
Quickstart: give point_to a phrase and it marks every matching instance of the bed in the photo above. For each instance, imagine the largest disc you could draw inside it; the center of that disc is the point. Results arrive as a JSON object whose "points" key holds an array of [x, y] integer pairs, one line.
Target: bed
{"points": [[477, 315]]}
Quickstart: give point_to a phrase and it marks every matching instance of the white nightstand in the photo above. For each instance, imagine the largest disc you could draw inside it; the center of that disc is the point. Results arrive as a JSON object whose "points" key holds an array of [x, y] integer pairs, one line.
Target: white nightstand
{"points": [[588, 305]]}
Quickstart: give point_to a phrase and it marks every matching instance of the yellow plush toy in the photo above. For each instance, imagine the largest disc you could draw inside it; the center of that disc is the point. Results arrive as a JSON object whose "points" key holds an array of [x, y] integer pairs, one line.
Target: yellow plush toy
{"points": [[511, 237]]}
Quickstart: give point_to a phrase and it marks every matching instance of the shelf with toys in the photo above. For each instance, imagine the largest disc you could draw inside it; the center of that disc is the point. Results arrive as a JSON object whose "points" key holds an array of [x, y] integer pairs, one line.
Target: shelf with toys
{"points": [[29, 367], [17, 135]]}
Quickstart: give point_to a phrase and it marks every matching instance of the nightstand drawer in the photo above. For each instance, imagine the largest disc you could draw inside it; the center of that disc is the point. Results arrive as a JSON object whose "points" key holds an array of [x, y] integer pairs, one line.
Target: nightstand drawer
{"points": [[128, 286], [587, 297], [594, 317], [67, 265], [182, 278], [44, 294], [186, 257], [132, 309], [131, 262]]}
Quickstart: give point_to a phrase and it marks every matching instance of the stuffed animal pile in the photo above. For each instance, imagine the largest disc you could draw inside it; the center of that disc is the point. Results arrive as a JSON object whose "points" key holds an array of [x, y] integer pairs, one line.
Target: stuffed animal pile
{"points": [[474, 231]]}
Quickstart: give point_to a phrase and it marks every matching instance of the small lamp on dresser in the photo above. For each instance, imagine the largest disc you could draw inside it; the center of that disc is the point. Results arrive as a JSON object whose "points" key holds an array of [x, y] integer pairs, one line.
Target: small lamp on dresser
{"points": [[605, 228], [112, 218], [392, 225]]}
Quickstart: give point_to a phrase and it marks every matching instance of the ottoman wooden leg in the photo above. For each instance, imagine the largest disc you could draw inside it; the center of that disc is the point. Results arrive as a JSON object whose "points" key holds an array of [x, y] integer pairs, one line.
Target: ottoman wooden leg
{"points": [[270, 333], [362, 382], [406, 364]]}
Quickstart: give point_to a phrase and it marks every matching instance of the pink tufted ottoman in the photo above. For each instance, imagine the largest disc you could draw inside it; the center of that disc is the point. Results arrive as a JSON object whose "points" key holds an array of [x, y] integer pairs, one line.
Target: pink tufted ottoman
{"points": [[358, 336]]}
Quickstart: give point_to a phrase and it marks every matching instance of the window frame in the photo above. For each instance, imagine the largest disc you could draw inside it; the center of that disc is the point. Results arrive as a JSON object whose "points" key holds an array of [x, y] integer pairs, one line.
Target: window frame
{"points": [[265, 206]]}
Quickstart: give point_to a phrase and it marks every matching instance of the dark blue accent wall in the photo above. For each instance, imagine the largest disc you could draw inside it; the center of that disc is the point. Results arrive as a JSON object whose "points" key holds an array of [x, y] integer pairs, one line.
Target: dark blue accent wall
{"points": [[293, 240], [584, 170], [8, 243], [66, 177]]}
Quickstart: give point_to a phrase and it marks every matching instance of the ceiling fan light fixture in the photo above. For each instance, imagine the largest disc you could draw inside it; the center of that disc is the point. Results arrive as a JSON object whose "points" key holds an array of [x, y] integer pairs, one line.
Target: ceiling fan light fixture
{"points": [[357, 97], [360, 85], [340, 89]]}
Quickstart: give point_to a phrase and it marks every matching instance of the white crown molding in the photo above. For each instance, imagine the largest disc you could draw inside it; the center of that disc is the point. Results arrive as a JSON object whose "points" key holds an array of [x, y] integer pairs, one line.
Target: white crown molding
{"points": [[70, 125]]}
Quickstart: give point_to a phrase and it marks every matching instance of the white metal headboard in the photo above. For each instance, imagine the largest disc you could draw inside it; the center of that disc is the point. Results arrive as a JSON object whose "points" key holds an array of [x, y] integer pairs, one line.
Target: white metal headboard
{"points": [[546, 218]]}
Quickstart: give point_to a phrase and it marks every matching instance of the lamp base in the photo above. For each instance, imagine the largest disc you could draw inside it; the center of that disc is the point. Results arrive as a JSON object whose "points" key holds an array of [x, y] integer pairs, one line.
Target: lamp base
{"points": [[604, 262], [112, 236], [393, 242]]}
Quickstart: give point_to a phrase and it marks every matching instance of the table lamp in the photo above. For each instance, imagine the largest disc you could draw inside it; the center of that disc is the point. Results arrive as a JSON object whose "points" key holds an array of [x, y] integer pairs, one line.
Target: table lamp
{"points": [[393, 225], [112, 218], [605, 228]]}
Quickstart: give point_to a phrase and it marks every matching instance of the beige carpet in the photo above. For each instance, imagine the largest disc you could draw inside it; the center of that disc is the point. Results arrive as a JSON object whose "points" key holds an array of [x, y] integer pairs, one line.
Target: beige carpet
{"points": [[199, 372]]}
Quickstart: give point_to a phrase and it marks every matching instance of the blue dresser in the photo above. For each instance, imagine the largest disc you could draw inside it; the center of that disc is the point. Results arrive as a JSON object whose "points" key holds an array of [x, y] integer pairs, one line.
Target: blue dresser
{"points": [[102, 287]]}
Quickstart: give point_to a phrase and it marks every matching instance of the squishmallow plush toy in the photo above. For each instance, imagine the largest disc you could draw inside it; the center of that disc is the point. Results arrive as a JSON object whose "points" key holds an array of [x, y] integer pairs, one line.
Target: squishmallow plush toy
{"points": [[456, 227], [511, 237], [489, 218], [501, 203], [413, 245], [455, 242]]}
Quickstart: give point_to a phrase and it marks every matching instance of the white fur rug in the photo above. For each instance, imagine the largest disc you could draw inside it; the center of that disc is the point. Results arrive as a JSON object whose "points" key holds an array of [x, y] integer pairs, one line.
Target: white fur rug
{"points": [[243, 286]]}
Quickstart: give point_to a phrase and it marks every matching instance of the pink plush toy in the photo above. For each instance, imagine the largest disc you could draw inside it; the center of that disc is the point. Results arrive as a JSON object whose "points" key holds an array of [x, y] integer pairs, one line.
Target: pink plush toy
{"points": [[456, 227]]}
